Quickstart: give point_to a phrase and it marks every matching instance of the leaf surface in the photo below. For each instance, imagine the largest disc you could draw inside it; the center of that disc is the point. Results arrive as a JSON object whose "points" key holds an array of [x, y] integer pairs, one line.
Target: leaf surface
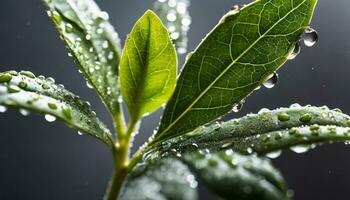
{"points": [[166, 179], [233, 176], [236, 57], [93, 43], [148, 66], [268, 132], [36, 94]]}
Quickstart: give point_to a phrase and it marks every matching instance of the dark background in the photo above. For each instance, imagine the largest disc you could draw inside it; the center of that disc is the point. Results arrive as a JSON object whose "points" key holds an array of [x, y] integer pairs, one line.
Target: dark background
{"points": [[40, 160]]}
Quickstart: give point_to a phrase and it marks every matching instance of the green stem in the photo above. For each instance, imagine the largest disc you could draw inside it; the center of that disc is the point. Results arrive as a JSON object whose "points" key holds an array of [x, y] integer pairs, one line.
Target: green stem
{"points": [[121, 160]]}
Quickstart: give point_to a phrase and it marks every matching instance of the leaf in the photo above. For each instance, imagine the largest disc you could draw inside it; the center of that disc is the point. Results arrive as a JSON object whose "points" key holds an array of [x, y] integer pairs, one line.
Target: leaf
{"points": [[233, 176], [268, 131], [93, 43], [234, 59], [166, 179], [148, 66], [40, 95], [177, 19]]}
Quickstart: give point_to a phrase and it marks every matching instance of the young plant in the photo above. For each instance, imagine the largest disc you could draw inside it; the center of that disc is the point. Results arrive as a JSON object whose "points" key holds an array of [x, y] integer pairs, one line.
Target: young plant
{"points": [[239, 55]]}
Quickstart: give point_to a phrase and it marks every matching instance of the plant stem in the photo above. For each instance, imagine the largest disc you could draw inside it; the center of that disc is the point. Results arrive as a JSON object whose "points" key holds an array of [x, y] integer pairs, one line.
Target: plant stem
{"points": [[121, 160]]}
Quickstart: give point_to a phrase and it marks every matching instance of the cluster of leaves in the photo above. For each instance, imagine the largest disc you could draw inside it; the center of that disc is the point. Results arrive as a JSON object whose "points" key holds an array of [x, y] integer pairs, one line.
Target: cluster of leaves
{"points": [[237, 56]]}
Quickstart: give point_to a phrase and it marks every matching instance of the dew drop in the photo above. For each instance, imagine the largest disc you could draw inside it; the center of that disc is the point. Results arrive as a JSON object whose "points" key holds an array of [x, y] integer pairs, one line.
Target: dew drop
{"points": [[237, 107], [88, 37], [296, 51], [24, 112], [22, 85], [283, 117], [5, 78], [52, 106], [103, 15], [271, 81], [300, 149], [274, 154], [80, 133], [69, 28], [249, 150], [88, 85], [13, 89], [310, 37], [171, 17], [50, 118], [3, 109], [305, 118]]}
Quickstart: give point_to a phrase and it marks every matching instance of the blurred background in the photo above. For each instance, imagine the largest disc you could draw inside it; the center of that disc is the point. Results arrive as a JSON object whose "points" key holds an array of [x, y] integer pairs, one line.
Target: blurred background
{"points": [[41, 160]]}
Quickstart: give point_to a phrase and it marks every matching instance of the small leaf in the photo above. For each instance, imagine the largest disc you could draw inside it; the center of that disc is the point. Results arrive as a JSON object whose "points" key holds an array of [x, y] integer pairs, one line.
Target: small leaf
{"points": [[160, 180], [178, 21], [233, 176], [148, 66], [269, 131], [40, 95], [243, 50], [93, 43]]}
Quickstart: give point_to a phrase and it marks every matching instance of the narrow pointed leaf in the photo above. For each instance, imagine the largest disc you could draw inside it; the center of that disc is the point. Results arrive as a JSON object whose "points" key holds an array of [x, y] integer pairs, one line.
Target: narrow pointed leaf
{"points": [[24, 91], [93, 43], [235, 58], [233, 176], [167, 179], [148, 66], [269, 131], [177, 19]]}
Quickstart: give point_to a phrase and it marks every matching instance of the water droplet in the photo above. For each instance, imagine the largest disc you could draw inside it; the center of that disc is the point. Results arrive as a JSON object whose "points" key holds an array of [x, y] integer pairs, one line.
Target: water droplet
{"points": [[105, 44], [271, 81], [237, 107], [292, 131], [212, 162], [45, 86], [274, 154], [310, 37], [263, 110], [51, 80], [88, 85], [278, 136], [80, 133], [27, 74], [249, 150], [69, 28], [5, 78], [175, 35], [50, 118], [22, 85], [300, 149], [56, 17], [305, 118], [296, 51], [171, 16], [103, 15], [24, 112], [13, 89], [67, 112], [3, 109], [88, 37], [52, 106], [283, 117]]}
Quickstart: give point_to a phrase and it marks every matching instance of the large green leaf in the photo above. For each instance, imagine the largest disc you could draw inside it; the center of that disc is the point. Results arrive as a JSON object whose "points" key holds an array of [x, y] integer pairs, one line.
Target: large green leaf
{"points": [[268, 131], [92, 41], [148, 66], [176, 18], [242, 51], [40, 95], [166, 179], [233, 176]]}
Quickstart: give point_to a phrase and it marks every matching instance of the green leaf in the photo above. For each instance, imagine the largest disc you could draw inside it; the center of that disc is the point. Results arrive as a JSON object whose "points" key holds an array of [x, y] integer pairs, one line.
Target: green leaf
{"points": [[268, 131], [177, 19], [166, 179], [40, 95], [93, 43], [235, 58], [148, 66], [233, 176]]}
